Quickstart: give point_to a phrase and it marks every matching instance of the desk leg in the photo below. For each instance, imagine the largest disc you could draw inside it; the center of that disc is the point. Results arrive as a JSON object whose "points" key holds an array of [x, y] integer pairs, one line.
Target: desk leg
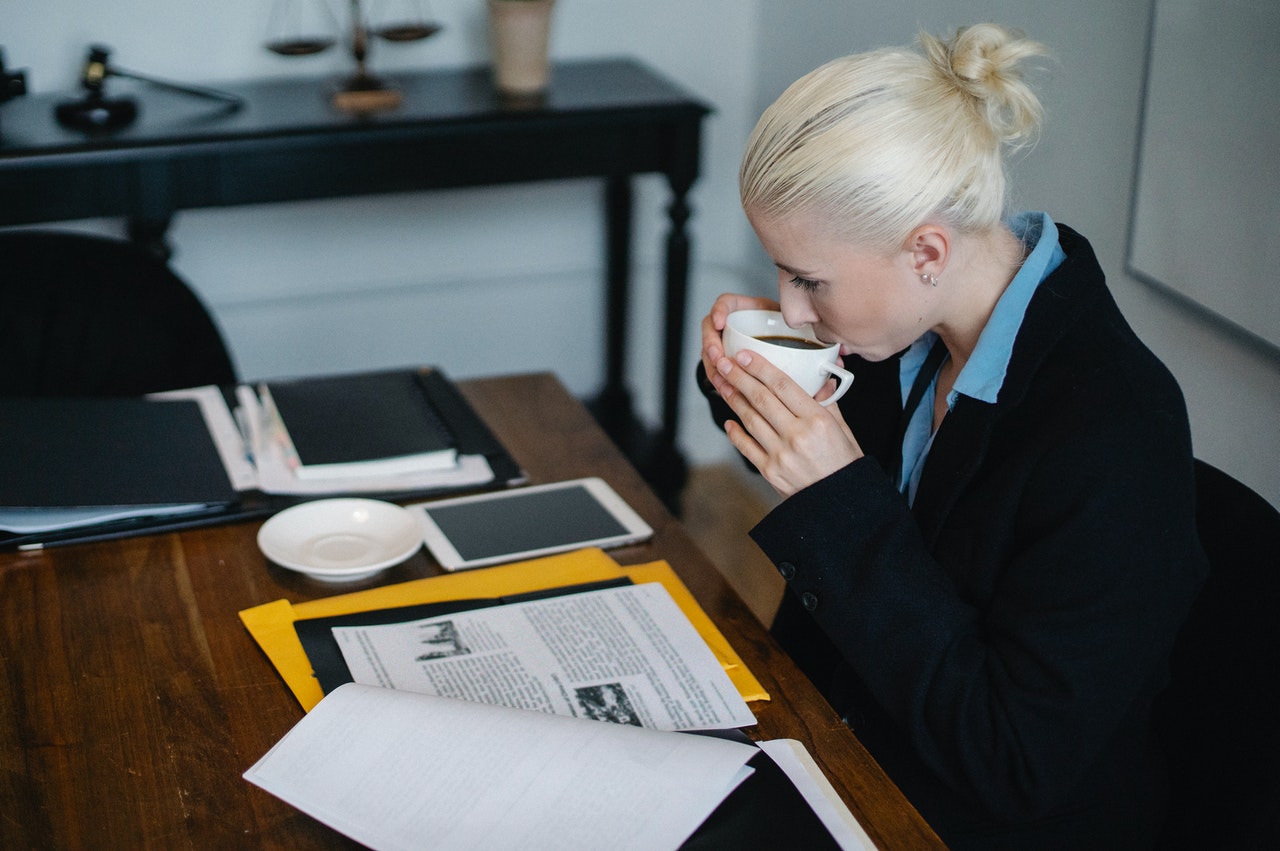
{"points": [[668, 466], [616, 399], [655, 455], [612, 407], [151, 234]]}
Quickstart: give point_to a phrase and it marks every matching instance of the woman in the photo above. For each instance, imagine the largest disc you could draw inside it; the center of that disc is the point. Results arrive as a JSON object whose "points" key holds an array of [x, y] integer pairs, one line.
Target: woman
{"points": [[987, 585]]}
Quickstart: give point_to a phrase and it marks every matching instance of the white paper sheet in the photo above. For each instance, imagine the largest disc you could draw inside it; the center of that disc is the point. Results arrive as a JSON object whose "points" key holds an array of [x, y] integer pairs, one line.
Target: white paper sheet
{"points": [[399, 770]]}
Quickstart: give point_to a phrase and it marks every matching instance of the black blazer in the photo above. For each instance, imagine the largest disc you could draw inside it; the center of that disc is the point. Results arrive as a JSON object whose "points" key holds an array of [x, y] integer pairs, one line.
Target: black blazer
{"points": [[997, 645]]}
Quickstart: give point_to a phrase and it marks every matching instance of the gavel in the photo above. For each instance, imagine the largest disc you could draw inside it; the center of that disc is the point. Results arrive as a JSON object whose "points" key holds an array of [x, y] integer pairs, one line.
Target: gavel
{"points": [[96, 111]]}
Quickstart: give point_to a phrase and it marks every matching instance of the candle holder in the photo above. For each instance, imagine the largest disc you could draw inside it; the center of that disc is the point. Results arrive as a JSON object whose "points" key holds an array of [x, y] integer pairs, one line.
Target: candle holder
{"points": [[305, 27]]}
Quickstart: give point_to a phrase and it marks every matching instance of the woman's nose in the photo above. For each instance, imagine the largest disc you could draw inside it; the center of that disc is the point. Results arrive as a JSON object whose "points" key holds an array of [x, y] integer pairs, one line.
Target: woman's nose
{"points": [[797, 308]]}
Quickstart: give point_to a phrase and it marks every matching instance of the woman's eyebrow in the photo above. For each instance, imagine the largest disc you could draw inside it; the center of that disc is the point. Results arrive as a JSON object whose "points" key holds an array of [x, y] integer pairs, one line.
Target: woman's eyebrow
{"points": [[793, 271]]}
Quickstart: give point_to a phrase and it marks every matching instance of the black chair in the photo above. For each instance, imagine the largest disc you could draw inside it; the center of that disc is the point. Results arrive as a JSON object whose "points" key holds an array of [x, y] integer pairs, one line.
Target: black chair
{"points": [[84, 315], [1219, 720]]}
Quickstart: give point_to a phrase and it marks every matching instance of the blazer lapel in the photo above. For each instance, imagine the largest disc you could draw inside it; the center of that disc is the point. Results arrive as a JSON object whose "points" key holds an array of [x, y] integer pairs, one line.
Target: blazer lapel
{"points": [[958, 452]]}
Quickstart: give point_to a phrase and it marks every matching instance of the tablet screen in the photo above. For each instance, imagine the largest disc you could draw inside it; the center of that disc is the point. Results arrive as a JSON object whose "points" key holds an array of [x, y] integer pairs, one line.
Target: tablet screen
{"points": [[521, 522]]}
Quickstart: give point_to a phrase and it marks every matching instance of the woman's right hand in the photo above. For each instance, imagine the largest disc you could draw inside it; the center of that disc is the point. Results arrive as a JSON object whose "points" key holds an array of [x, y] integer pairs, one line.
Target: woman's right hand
{"points": [[713, 327]]}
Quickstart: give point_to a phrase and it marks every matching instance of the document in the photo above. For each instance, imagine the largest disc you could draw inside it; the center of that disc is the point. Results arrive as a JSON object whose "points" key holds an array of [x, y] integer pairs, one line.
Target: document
{"points": [[481, 729], [627, 655], [397, 770], [273, 625]]}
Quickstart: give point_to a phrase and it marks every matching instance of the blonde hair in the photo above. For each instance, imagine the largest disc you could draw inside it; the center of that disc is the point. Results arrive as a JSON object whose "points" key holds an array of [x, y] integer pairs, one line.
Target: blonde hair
{"points": [[878, 143]]}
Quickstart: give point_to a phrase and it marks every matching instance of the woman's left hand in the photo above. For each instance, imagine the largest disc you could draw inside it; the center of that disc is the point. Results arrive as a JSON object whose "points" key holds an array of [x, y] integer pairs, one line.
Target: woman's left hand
{"points": [[791, 439]]}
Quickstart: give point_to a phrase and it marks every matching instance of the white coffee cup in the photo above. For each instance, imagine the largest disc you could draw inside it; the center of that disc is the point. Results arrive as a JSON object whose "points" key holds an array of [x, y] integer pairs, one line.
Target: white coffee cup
{"points": [[796, 351]]}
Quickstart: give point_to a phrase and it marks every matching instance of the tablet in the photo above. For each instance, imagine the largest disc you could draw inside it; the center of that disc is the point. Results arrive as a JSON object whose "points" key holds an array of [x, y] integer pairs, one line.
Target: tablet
{"points": [[527, 522]]}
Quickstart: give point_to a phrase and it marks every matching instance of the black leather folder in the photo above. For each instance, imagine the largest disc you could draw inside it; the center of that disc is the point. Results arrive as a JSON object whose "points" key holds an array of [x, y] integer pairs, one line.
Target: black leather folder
{"points": [[128, 455], [368, 415], [346, 421]]}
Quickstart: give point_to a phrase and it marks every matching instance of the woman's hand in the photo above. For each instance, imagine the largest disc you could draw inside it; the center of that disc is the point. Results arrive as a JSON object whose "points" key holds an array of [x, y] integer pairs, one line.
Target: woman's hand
{"points": [[713, 327], [791, 439]]}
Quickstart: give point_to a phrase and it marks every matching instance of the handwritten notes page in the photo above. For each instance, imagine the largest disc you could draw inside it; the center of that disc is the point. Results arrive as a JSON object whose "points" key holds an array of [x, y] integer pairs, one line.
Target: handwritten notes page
{"points": [[400, 770]]}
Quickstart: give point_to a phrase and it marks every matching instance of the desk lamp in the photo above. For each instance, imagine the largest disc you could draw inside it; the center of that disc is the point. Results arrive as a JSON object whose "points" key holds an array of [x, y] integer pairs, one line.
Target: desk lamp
{"points": [[362, 92]]}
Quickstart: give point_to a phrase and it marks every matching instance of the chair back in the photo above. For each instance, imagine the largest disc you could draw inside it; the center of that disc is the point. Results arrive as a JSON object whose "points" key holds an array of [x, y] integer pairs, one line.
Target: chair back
{"points": [[84, 315], [1219, 719]]}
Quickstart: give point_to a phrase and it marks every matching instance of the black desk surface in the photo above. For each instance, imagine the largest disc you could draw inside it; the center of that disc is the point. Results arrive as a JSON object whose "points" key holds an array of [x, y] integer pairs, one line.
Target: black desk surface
{"points": [[293, 106], [455, 129]]}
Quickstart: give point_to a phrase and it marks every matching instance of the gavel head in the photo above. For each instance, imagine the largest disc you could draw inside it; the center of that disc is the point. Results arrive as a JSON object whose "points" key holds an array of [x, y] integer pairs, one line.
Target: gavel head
{"points": [[94, 73], [12, 83], [95, 111]]}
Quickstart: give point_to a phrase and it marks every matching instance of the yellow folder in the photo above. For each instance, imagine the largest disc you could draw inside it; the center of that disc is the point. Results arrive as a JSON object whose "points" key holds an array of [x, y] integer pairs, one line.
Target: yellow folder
{"points": [[271, 624]]}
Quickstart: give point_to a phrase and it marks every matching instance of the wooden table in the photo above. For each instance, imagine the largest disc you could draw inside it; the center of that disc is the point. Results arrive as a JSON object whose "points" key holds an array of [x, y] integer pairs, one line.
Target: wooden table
{"points": [[610, 119], [134, 698]]}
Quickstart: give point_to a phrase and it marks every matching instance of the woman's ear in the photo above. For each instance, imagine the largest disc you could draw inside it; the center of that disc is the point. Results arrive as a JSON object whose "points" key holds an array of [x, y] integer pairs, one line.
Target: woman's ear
{"points": [[930, 249]]}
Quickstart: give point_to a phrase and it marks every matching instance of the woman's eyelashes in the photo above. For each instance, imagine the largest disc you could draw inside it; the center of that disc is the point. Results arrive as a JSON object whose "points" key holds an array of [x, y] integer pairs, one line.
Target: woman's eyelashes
{"points": [[806, 284]]}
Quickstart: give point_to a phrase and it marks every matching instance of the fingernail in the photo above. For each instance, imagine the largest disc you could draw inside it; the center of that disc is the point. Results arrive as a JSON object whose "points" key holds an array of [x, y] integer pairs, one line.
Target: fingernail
{"points": [[723, 366], [743, 357]]}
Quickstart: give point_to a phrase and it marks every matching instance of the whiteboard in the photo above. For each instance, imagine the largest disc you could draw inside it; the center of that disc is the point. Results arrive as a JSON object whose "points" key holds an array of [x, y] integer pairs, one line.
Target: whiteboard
{"points": [[1206, 216]]}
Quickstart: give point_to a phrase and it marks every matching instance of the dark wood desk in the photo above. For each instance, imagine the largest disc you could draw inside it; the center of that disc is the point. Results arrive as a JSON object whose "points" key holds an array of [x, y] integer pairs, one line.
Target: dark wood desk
{"points": [[610, 119], [134, 698]]}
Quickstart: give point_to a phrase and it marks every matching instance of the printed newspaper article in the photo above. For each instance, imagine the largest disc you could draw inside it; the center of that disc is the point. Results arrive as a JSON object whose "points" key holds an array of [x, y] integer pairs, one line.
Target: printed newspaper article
{"points": [[626, 655]]}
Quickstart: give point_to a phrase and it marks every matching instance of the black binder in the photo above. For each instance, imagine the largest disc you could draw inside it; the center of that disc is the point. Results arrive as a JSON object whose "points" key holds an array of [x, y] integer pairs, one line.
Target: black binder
{"points": [[362, 418], [125, 454], [356, 416]]}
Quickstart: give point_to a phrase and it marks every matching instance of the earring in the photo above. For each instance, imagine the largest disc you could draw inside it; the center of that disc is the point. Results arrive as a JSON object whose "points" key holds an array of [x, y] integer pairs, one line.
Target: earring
{"points": [[929, 279]]}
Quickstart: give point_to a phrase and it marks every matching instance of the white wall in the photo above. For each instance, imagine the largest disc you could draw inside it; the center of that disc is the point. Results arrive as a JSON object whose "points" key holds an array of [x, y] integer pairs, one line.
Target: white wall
{"points": [[451, 278]]}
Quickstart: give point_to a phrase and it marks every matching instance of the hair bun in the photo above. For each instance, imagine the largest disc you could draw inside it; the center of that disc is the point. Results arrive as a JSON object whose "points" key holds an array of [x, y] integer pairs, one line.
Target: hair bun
{"points": [[984, 62]]}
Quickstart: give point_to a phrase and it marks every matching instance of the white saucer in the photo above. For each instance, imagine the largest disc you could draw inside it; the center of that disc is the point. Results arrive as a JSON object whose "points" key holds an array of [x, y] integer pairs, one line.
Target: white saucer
{"points": [[340, 540]]}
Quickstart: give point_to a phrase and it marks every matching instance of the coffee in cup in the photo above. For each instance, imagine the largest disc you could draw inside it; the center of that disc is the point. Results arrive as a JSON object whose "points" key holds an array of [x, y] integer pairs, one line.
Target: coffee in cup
{"points": [[796, 351], [788, 342]]}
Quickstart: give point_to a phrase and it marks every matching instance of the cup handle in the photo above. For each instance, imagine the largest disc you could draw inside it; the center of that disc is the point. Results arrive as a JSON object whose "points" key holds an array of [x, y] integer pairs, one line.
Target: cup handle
{"points": [[845, 379]]}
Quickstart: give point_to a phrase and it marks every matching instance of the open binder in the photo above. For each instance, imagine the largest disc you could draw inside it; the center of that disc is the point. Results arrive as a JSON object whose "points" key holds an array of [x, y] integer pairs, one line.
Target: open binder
{"points": [[76, 470]]}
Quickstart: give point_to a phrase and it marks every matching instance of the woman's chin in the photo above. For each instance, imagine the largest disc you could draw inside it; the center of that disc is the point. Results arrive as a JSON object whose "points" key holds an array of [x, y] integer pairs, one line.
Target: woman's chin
{"points": [[871, 355]]}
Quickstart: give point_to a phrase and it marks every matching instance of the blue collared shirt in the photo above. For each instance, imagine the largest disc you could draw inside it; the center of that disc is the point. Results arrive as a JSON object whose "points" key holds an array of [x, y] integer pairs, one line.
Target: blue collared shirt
{"points": [[983, 375]]}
